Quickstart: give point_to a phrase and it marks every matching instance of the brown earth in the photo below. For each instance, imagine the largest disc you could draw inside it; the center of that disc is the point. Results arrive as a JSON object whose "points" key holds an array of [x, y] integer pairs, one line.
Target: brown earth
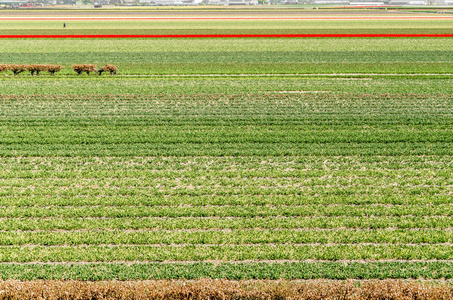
{"points": [[226, 289]]}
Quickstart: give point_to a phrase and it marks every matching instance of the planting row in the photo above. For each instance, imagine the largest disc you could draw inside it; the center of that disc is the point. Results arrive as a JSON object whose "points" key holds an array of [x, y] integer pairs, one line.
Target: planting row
{"points": [[321, 110], [259, 252], [241, 84], [226, 211], [52, 69], [236, 271], [225, 149], [230, 237], [180, 47], [195, 223], [260, 134], [354, 197], [224, 188]]}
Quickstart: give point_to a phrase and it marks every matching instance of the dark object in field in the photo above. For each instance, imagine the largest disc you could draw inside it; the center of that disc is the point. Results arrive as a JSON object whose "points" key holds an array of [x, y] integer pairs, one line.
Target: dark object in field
{"points": [[52, 69], [64, 25], [108, 68], [87, 68], [36, 69], [17, 69]]}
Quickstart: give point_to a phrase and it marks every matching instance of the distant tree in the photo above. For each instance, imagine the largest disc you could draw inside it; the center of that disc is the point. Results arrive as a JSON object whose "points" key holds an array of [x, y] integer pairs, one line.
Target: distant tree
{"points": [[108, 68], [87, 68], [52, 69], [36, 69], [17, 69]]}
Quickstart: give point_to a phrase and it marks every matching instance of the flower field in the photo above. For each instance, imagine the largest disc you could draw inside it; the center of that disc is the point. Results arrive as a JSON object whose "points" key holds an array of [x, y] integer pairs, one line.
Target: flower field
{"points": [[235, 158], [259, 56], [271, 179]]}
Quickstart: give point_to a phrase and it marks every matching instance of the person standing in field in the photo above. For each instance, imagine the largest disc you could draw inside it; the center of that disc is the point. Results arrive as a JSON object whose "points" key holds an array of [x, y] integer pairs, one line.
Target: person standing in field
{"points": [[64, 25]]}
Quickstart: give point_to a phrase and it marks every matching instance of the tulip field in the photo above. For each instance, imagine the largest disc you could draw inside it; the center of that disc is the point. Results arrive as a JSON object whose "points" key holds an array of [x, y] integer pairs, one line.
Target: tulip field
{"points": [[231, 158]]}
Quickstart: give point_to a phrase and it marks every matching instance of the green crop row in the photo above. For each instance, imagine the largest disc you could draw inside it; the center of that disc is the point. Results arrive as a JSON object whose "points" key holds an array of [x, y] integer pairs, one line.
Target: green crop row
{"points": [[309, 183], [370, 222], [110, 253], [14, 174], [270, 166], [226, 211], [234, 56], [304, 111], [226, 84], [234, 45], [355, 198], [236, 271], [227, 149], [223, 189], [146, 69], [271, 134], [215, 237]]}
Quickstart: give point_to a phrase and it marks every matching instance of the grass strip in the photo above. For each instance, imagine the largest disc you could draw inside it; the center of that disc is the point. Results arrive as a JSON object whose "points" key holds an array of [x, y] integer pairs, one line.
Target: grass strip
{"points": [[234, 271]]}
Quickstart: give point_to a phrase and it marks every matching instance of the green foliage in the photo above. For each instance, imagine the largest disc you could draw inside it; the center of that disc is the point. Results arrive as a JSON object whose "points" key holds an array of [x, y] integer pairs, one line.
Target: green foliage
{"points": [[215, 182], [239, 56], [236, 271], [178, 167]]}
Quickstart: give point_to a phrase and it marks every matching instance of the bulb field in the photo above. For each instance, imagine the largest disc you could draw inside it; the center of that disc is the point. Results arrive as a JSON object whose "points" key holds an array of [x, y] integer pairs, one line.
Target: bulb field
{"points": [[231, 158]]}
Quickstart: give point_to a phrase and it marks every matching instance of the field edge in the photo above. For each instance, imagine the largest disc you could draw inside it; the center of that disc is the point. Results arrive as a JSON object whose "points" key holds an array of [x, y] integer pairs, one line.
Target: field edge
{"points": [[226, 289]]}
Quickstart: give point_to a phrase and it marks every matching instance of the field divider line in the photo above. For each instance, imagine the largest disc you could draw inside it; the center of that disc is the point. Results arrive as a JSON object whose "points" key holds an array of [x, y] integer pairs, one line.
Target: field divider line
{"points": [[227, 230], [304, 188], [354, 205], [228, 217], [217, 262], [283, 75], [245, 217], [260, 75], [257, 245]]}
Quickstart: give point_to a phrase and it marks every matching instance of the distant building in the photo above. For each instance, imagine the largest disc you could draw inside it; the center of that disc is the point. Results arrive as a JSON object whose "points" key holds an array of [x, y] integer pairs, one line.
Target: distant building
{"points": [[409, 2], [367, 3], [339, 2], [233, 2], [174, 2]]}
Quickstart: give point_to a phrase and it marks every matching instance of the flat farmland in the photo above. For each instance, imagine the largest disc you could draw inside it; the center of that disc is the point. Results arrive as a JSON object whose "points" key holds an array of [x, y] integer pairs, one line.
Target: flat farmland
{"points": [[278, 180], [162, 25], [258, 56], [279, 158]]}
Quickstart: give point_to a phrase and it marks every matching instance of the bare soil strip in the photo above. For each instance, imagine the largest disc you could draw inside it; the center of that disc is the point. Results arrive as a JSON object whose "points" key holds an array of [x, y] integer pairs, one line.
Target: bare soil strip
{"points": [[226, 289]]}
